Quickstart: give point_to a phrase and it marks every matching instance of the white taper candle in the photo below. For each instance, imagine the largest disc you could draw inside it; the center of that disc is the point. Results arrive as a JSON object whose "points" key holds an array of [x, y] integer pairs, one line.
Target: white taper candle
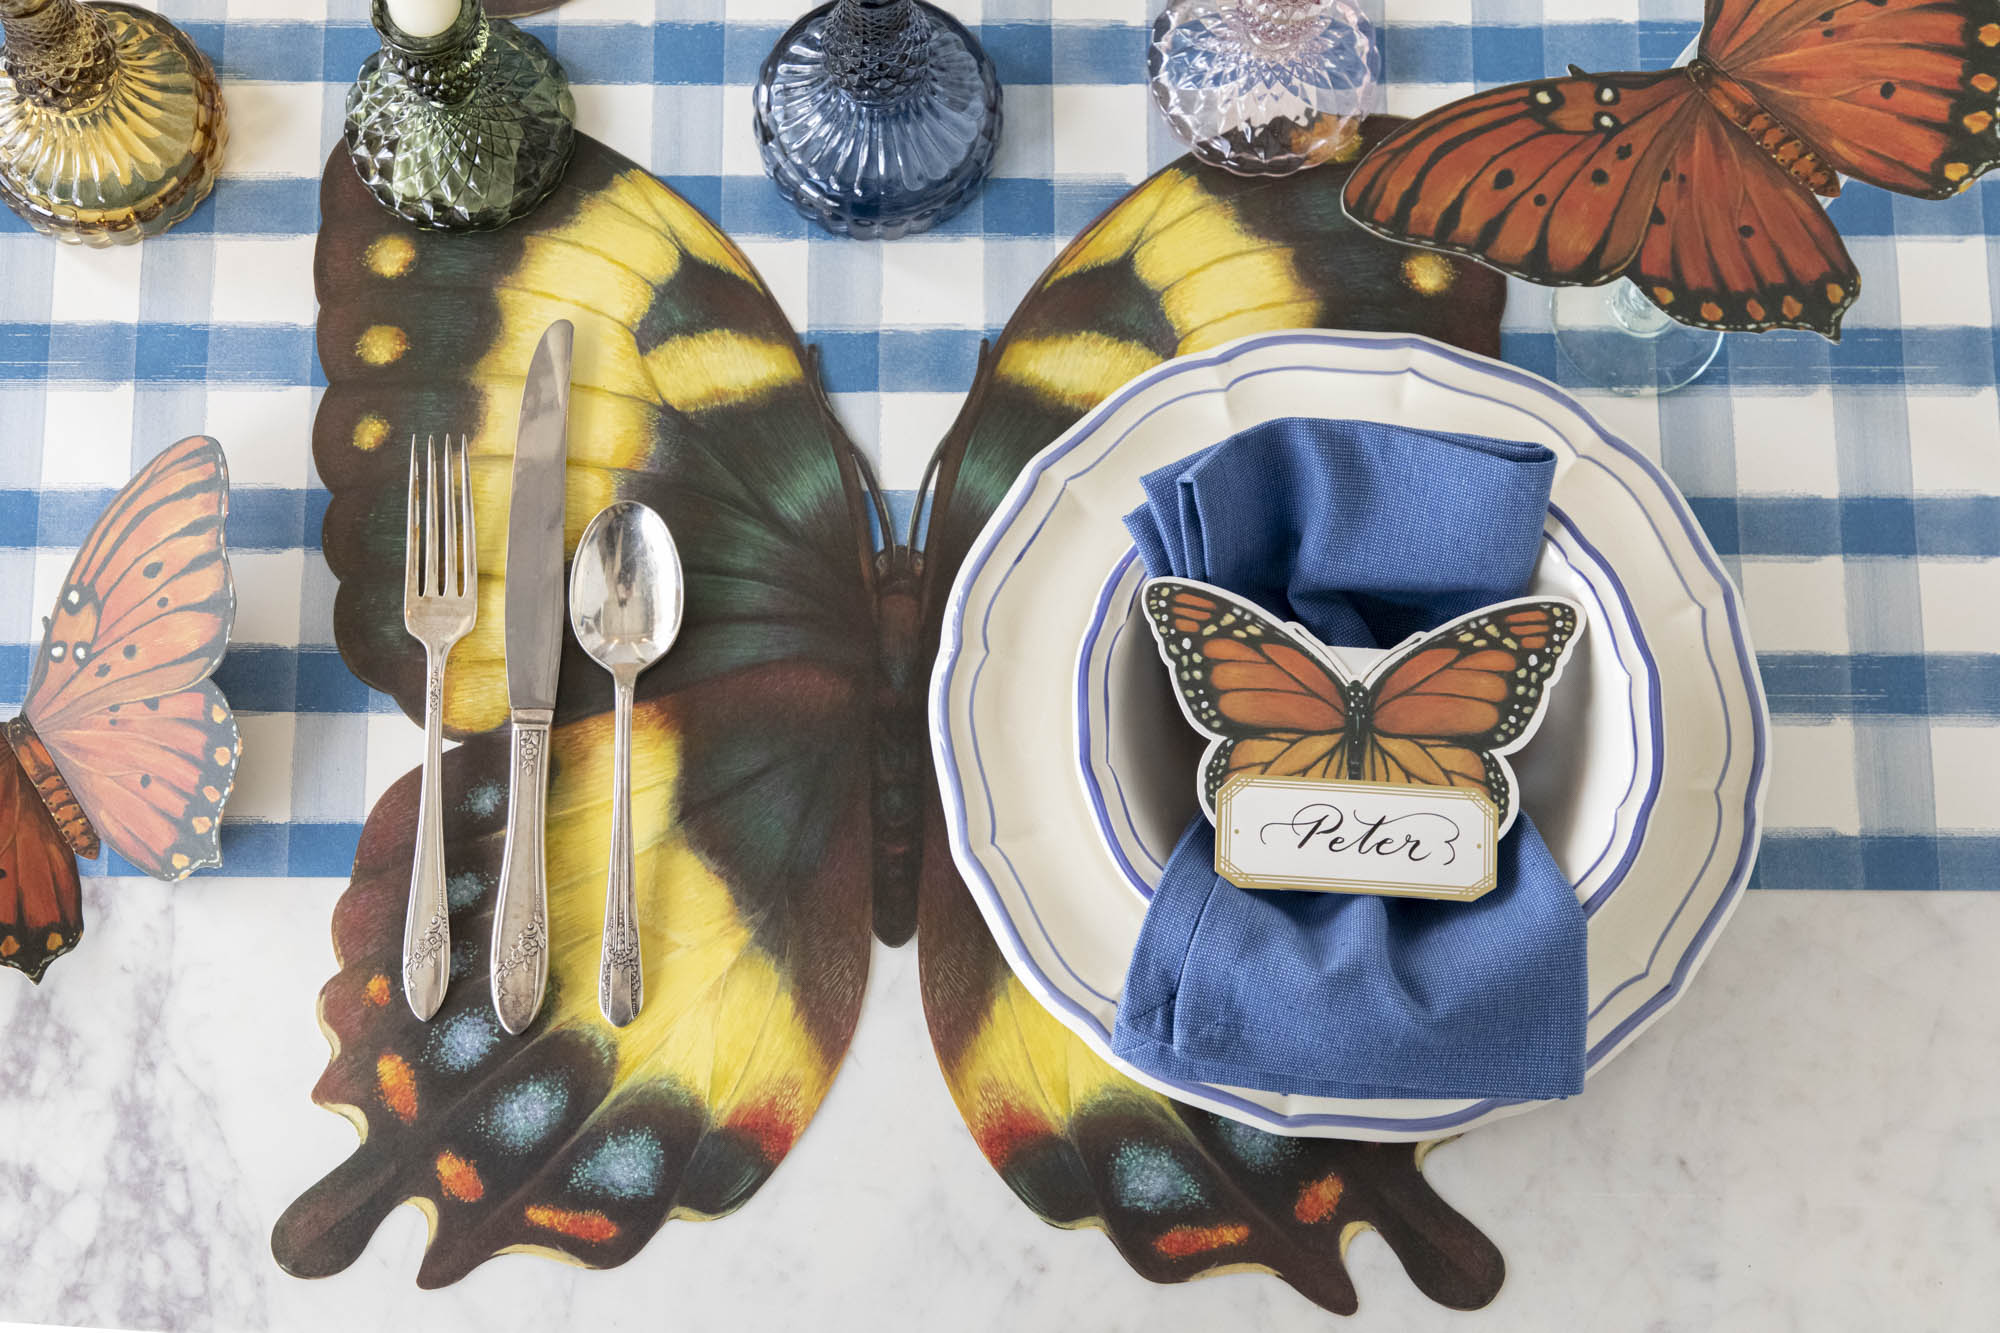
{"points": [[423, 18]]}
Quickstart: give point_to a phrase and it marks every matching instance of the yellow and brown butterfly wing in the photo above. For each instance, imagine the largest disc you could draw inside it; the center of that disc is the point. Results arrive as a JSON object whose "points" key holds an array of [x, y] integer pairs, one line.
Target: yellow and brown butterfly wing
{"points": [[1269, 702], [1187, 260], [120, 695], [1445, 710], [1182, 1193], [752, 745], [576, 1139], [1190, 259]]}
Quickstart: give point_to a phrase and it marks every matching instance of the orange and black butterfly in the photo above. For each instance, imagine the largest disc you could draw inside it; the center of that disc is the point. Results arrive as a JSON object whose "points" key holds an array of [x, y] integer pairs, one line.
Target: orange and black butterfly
{"points": [[1439, 710], [122, 736], [1698, 182]]}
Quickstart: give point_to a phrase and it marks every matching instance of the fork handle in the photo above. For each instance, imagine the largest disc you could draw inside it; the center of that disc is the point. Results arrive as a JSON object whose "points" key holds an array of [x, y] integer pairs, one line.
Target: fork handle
{"points": [[427, 924], [521, 915]]}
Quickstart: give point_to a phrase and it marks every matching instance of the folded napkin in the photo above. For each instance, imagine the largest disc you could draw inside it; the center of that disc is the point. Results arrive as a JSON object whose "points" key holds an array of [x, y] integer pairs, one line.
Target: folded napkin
{"points": [[1365, 534]]}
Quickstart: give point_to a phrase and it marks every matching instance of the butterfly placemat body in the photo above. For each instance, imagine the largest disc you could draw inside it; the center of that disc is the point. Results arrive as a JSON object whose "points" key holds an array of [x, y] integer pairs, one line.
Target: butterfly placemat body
{"points": [[785, 809], [1699, 183], [123, 737]]}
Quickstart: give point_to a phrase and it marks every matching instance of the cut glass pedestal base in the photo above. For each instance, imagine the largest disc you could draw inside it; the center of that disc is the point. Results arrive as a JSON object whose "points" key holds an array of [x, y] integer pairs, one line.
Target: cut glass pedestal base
{"points": [[901, 152], [1613, 338]]}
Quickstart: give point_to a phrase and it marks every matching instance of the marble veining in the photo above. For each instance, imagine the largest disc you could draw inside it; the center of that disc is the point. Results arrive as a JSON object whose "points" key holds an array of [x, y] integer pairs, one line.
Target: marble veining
{"points": [[1807, 1142]]}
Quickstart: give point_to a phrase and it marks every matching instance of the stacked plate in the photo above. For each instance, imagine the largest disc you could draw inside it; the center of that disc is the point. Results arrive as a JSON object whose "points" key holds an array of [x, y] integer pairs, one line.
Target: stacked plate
{"points": [[1068, 775]]}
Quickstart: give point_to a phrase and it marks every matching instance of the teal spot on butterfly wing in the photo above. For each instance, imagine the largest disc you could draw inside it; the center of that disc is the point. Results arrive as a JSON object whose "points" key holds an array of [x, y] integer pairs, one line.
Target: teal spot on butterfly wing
{"points": [[526, 1113], [1253, 1147], [465, 888], [462, 1041], [1150, 1178], [484, 798], [627, 1165]]}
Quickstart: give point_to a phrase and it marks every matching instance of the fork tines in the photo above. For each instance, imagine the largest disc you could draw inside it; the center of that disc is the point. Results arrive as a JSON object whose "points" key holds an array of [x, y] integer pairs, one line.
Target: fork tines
{"points": [[440, 557]]}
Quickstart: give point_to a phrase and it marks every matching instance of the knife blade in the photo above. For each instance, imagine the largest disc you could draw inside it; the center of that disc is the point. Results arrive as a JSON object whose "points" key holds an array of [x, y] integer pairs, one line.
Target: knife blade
{"points": [[534, 638]]}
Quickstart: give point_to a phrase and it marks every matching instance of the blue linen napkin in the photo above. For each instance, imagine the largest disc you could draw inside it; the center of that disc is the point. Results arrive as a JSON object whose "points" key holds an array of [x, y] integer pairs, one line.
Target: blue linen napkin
{"points": [[1364, 533]]}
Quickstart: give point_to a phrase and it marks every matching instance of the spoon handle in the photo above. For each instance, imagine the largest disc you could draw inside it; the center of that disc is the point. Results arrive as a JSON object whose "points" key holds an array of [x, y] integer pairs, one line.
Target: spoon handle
{"points": [[620, 982]]}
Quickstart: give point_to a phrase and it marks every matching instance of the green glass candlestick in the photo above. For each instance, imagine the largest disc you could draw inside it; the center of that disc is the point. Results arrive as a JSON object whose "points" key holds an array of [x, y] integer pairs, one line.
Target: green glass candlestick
{"points": [[111, 124], [461, 130]]}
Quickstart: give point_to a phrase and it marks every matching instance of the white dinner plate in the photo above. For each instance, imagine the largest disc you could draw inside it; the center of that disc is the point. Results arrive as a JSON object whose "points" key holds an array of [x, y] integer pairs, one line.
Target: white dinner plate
{"points": [[1067, 776]]}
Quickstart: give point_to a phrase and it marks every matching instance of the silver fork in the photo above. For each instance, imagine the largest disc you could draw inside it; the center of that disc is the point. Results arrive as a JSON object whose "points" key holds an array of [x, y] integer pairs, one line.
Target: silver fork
{"points": [[440, 604]]}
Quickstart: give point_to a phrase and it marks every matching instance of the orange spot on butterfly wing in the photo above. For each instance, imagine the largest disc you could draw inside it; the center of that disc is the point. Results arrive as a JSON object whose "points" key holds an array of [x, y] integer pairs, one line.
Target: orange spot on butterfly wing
{"points": [[1185, 1242], [459, 1178], [397, 1084], [773, 1124], [1318, 1199], [591, 1226], [1004, 1127]]}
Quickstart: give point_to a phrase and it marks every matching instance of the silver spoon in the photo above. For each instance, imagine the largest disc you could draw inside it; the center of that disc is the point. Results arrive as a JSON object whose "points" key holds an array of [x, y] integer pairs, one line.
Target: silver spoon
{"points": [[625, 594]]}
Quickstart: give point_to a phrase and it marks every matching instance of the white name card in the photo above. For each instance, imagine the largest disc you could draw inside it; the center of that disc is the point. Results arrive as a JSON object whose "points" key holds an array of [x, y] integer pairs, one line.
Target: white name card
{"points": [[1355, 837]]}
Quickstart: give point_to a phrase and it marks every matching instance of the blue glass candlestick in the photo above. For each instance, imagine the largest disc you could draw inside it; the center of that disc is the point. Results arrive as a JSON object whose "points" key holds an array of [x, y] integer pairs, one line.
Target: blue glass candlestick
{"points": [[878, 118]]}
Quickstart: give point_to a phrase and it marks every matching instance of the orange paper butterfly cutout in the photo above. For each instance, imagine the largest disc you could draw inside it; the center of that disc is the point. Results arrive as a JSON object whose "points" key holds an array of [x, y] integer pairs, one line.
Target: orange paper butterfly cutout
{"points": [[1698, 182], [1439, 710], [122, 733]]}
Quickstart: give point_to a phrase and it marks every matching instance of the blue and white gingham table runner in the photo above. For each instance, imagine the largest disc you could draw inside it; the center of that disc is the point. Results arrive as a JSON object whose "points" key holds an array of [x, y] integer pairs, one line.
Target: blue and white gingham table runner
{"points": [[1854, 491]]}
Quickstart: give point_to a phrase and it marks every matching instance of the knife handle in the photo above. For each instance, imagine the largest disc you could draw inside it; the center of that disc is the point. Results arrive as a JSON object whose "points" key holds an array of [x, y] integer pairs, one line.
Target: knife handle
{"points": [[521, 913]]}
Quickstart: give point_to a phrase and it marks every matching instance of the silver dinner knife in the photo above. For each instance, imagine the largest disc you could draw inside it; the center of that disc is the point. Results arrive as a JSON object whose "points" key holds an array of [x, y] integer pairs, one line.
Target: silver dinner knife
{"points": [[534, 655]]}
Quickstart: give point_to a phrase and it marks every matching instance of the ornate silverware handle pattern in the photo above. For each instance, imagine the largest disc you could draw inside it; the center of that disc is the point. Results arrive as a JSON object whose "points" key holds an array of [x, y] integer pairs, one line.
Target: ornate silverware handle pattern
{"points": [[427, 925], [521, 913], [620, 979]]}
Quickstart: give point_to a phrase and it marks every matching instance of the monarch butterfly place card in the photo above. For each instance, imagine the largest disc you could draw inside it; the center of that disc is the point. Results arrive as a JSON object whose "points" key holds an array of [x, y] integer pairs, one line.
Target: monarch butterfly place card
{"points": [[122, 738], [1331, 773]]}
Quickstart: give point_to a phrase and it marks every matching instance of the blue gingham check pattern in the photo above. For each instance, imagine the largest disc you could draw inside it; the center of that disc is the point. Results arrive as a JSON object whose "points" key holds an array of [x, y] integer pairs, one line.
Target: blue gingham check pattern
{"points": [[1853, 490]]}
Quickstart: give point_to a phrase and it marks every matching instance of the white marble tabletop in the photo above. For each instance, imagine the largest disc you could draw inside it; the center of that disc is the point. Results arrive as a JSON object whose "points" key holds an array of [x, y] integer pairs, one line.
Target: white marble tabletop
{"points": [[1809, 1141]]}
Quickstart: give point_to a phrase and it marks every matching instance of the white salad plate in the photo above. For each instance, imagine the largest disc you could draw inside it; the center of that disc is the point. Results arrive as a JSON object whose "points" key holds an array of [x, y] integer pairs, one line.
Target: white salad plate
{"points": [[1068, 775]]}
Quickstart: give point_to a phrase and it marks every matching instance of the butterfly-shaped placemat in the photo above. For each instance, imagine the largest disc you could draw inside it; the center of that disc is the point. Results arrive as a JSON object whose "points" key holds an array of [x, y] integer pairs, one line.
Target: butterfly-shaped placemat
{"points": [[1698, 183], [785, 805], [123, 739]]}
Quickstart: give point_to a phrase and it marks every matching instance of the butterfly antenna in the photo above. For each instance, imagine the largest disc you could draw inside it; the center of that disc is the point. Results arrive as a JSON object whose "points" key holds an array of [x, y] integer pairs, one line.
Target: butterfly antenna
{"points": [[920, 513], [883, 519]]}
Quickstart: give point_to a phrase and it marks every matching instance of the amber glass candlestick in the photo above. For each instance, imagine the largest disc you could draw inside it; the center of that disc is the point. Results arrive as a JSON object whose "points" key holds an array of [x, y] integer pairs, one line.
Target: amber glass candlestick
{"points": [[111, 124]]}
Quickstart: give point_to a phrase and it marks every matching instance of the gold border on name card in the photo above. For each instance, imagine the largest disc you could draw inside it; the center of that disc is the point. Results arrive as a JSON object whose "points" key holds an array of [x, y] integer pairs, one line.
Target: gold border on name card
{"points": [[1225, 834]]}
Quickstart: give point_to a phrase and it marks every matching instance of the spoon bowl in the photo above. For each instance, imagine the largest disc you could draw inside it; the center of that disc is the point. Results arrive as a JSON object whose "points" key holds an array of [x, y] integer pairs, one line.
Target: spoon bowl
{"points": [[625, 596], [625, 588]]}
